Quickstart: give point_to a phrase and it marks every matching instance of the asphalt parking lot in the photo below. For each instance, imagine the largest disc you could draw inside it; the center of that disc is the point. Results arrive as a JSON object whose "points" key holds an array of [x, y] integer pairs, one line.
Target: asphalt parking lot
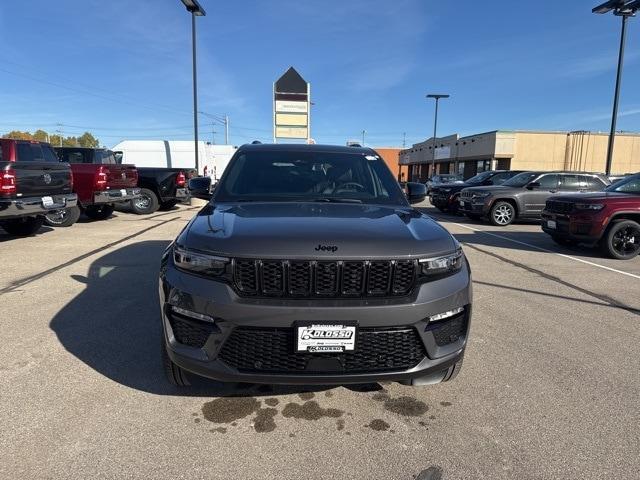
{"points": [[549, 388]]}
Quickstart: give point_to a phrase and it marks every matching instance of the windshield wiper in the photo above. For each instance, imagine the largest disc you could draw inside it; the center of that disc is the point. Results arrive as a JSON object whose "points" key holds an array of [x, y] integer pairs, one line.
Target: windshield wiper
{"points": [[336, 200]]}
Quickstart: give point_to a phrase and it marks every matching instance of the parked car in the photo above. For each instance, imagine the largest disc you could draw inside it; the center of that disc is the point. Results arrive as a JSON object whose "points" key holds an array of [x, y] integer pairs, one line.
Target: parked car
{"points": [[310, 266], [447, 197], [610, 218], [160, 188], [444, 179], [32, 183], [524, 196], [615, 178], [99, 182]]}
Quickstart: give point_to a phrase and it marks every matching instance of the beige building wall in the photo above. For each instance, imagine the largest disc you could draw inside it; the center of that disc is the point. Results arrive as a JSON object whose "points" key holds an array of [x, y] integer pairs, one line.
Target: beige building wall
{"points": [[579, 151]]}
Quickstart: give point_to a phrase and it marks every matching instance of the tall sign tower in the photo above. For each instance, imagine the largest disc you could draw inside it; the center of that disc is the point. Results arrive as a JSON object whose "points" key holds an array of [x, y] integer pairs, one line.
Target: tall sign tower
{"points": [[291, 107]]}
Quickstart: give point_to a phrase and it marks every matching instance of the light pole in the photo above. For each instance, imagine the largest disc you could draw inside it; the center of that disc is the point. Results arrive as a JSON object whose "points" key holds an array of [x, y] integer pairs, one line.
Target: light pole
{"points": [[437, 97], [196, 10], [624, 9]]}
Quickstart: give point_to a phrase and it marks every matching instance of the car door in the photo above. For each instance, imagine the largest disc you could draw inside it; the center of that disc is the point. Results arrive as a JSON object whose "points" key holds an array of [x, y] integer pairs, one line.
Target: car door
{"points": [[535, 197]]}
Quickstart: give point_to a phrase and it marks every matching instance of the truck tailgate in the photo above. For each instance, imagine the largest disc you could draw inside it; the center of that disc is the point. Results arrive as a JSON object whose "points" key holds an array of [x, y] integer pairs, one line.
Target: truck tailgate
{"points": [[40, 178]]}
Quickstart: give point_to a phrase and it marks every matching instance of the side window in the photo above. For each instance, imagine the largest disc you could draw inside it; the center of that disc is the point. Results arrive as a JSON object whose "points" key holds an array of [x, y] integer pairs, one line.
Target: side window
{"points": [[548, 182], [594, 183], [570, 182], [500, 178]]}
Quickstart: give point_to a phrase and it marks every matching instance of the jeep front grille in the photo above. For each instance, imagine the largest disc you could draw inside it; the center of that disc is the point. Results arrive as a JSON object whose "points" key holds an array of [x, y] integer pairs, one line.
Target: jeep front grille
{"points": [[311, 278], [559, 207]]}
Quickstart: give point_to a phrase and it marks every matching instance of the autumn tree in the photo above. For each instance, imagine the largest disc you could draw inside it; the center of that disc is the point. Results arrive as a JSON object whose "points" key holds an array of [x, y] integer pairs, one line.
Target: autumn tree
{"points": [[85, 140]]}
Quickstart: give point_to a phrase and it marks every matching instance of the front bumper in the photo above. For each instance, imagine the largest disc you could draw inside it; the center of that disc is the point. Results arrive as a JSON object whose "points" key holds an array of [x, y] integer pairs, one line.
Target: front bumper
{"points": [[32, 206], [236, 314], [578, 228], [115, 195], [479, 207]]}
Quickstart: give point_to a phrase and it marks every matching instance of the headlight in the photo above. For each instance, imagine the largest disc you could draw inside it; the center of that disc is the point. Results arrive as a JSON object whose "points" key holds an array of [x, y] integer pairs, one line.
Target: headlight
{"points": [[481, 195], [589, 206], [441, 265], [197, 262]]}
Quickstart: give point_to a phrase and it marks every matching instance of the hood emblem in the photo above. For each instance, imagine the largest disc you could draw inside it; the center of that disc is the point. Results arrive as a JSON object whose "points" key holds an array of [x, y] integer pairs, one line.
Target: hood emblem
{"points": [[46, 178], [326, 248]]}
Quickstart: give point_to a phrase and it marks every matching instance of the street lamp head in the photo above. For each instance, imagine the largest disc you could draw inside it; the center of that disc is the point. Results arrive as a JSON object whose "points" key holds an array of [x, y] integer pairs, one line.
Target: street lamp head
{"points": [[194, 7], [438, 95], [624, 7]]}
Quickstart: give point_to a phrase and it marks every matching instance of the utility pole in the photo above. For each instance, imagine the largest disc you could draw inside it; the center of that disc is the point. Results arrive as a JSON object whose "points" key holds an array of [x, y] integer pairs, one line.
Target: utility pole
{"points": [[213, 133], [363, 134], [226, 129], [59, 132]]}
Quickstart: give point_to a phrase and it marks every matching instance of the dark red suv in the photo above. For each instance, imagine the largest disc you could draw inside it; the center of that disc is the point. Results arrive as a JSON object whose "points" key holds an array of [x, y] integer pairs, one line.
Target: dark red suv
{"points": [[610, 218]]}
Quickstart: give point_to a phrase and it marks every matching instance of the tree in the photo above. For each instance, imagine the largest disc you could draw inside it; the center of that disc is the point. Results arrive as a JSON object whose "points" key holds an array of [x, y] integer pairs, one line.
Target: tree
{"points": [[18, 135], [41, 136], [88, 140], [85, 140]]}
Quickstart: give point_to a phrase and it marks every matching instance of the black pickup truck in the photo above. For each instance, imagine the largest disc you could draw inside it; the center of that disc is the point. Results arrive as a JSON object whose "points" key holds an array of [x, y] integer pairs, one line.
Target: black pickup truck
{"points": [[32, 183], [160, 188]]}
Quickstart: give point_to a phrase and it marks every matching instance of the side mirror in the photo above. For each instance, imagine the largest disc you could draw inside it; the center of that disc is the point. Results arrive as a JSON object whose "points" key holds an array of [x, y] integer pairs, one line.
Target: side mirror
{"points": [[416, 192], [200, 187], [533, 186]]}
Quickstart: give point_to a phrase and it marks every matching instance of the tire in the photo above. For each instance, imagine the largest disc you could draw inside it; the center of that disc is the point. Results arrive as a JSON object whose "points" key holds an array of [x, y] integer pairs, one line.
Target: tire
{"points": [[175, 375], [622, 240], [502, 214], [168, 205], [62, 218], [101, 212], [23, 227], [146, 204], [565, 242]]}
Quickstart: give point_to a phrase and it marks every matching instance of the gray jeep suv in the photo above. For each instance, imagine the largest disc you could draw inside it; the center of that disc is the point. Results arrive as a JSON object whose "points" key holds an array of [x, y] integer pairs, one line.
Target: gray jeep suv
{"points": [[524, 196], [309, 266]]}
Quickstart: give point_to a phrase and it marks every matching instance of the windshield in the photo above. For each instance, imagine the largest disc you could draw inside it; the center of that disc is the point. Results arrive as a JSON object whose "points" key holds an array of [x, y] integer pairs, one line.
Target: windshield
{"points": [[628, 185], [309, 176], [479, 178], [521, 179]]}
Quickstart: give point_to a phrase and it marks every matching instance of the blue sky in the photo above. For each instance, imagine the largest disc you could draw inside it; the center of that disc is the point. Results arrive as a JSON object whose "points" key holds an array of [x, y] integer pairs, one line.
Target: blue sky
{"points": [[122, 68]]}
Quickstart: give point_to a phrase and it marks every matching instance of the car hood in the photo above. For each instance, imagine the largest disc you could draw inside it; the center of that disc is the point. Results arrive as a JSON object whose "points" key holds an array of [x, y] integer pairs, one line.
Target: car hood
{"points": [[312, 230], [595, 196]]}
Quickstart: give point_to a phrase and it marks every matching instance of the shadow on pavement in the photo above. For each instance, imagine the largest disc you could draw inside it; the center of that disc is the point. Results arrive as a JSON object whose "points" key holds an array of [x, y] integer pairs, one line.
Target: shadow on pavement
{"points": [[5, 237], [114, 327]]}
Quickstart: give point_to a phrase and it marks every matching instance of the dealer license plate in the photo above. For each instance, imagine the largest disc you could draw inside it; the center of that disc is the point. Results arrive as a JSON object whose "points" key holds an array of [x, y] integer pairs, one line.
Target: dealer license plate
{"points": [[325, 337], [123, 192], [47, 201], [551, 224]]}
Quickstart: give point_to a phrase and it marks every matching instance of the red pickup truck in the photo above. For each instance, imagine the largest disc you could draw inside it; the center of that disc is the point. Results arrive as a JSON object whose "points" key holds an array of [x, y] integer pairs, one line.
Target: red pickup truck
{"points": [[610, 219], [99, 182]]}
